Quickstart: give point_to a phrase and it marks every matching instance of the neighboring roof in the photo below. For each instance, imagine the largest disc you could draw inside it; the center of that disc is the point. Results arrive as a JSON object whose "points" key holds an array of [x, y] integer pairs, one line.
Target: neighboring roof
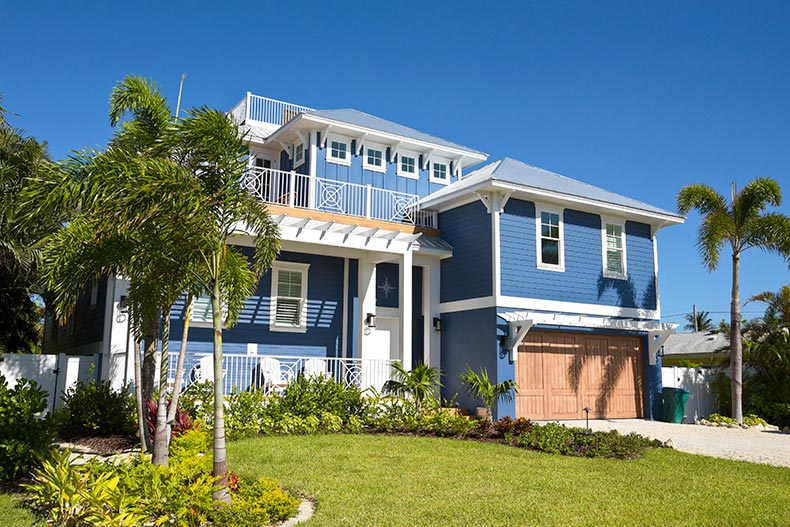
{"points": [[518, 173], [697, 343], [364, 120]]}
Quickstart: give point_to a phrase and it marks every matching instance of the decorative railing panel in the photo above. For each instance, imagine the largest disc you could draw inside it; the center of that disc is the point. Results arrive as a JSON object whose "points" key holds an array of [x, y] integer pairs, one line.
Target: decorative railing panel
{"points": [[272, 373]]}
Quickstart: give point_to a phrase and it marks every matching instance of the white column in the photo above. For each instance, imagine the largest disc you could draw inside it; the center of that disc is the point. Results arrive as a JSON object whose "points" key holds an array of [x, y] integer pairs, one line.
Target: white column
{"points": [[406, 308], [367, 302], [432, 341]]}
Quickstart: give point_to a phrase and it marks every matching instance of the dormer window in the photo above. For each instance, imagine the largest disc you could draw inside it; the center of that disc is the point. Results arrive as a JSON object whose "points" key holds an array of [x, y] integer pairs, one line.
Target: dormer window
{"points": [[374, 158], [298, 154], [551, 253], [407, 165], [439, 171], [337, 152]]}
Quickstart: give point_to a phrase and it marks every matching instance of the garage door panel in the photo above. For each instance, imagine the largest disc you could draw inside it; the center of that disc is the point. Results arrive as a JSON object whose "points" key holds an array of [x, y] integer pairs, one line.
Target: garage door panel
{"points": [[558, 374]]}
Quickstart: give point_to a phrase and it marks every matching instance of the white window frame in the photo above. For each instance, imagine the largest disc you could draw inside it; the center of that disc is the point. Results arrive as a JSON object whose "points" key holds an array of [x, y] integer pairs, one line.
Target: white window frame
{"points": [[604, 247], [288, 266], [439, 161], [379, 148], [298, 161], [539, 209], [413, 155], [94, 300], [338, 160], [206, 321]]}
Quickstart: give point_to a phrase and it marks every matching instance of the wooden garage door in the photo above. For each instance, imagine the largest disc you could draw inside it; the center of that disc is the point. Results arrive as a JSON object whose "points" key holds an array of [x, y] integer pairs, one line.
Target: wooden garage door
{"points": [[558, 374]]}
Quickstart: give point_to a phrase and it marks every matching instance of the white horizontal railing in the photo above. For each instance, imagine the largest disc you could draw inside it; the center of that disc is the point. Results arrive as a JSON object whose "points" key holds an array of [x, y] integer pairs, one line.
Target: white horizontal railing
{"points": [[272, 373], [265, 110], [303, 191]]}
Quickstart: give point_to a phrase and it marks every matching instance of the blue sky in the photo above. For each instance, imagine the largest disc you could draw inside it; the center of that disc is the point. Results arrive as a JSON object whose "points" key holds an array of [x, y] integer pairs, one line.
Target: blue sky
{"points": [[639, 98]]}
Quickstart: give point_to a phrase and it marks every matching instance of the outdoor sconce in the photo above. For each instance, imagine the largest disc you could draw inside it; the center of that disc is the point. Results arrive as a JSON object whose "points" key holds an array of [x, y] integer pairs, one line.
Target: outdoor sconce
{"points": [[370, 320], [437, 323]]}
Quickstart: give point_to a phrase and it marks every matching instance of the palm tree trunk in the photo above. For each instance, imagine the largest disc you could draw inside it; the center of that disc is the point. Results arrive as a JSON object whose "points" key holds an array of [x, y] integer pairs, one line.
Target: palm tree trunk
{"points": [[736, 343], [220, 472], [162, 433], [138, 389], [182, 353], [151, 338]]}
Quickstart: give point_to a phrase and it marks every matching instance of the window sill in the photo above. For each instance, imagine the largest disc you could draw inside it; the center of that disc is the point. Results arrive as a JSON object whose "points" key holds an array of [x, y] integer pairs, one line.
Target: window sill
{"points": [[374, 168], [407, 175], [615, 276], [344, 162], [444, 182], [287, 329], [548, 267]]}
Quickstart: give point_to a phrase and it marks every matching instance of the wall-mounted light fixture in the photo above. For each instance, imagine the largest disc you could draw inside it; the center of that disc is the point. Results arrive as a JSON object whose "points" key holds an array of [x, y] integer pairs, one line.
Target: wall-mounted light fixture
{"points": [[370, 320], [437, 323]]}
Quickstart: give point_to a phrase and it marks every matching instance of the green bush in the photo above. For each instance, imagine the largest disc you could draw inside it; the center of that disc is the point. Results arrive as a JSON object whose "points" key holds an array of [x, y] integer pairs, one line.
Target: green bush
{"points": [[446, 423], [24, 435], [95, 408], [312, 395], [198, 401], [555, 438], [260, 502], [245, 414]]}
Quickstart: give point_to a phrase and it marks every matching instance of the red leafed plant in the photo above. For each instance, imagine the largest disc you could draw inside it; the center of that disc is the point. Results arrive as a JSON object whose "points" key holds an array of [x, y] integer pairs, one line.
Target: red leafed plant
{"points": [[181, 423], [233, 482]]}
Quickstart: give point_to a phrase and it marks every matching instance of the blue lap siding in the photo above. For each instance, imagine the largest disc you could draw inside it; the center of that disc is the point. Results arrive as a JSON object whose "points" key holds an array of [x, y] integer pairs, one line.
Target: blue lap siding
{"points": [[468, 273], [583, 280]]}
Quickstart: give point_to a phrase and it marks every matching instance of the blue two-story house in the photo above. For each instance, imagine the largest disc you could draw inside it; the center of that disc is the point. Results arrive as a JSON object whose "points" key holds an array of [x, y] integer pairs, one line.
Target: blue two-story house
{"points": [[395, 249]]}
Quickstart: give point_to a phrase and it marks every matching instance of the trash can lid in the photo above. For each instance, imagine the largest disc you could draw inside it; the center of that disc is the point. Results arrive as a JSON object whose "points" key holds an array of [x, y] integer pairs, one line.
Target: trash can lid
{"points": [[669, 389]]}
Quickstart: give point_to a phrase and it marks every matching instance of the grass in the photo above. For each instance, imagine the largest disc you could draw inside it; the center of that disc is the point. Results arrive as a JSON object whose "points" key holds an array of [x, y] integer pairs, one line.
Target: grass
{"points": [[12, 514], [406, 481]]}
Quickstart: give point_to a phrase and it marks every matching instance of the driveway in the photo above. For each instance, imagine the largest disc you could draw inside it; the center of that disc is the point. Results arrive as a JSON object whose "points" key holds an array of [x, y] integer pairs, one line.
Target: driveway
{"points": [[771, 448]]}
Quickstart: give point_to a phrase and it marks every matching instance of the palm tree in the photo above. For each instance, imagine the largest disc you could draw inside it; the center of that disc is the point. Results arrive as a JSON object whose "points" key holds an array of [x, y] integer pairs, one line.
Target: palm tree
{"points": [[742, 223], [702, 321], [778, 310], [480, 386], [420, 383]]}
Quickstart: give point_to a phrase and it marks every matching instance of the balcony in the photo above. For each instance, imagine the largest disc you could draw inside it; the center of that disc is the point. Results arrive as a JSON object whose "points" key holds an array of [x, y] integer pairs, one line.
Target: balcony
{"points": [[257, 111], [365, 201]]}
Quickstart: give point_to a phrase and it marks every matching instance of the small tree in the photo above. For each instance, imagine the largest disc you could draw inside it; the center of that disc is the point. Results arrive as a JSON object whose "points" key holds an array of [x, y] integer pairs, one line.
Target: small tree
{"points": [[703, 321], [420, 383], [480, 386]]}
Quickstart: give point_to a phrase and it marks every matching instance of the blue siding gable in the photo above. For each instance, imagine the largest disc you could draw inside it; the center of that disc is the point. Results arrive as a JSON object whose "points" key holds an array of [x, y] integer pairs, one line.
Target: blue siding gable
{"points": [[583, 280], [468, 273]]}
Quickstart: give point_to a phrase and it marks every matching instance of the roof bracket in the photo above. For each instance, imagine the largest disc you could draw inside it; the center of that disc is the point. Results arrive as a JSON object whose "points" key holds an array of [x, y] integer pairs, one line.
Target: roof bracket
{"points": [[655, 340]]}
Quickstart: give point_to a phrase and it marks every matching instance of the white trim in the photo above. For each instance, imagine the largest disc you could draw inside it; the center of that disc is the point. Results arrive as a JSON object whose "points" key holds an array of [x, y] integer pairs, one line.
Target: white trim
{"points": [[344, 350], [288, 266], [619, 222], [554, 306], [298, 162], [332, 138], [94, 292], [439, 161], [313, 153], [410, 154], [539, 209], [655, 276], [406, 270], [379, 148]]}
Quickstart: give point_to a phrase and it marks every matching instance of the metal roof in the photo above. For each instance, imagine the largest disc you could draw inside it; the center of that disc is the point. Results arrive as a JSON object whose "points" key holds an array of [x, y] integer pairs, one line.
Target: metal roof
{"points": [[364, 120], [516, 172], [700, 342]]}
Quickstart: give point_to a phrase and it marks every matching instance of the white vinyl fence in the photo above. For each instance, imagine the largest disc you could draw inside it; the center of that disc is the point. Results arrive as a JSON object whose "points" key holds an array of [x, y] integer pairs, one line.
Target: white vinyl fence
{"points": [[54, 373], [702, 401]]}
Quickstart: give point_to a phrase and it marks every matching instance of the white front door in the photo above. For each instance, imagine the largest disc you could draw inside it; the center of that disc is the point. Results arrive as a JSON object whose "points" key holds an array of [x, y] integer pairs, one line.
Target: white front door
{"points": [[382, 345]]}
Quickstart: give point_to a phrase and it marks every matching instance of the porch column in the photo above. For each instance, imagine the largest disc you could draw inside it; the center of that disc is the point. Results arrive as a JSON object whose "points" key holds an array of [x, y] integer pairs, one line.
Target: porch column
{"points": [[430, 309], [367, 302], [406, 320]]}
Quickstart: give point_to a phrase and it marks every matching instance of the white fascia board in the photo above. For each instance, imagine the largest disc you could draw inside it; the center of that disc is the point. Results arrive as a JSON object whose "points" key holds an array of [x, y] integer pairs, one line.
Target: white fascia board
{"points": [[449, 201], [392, 138]]}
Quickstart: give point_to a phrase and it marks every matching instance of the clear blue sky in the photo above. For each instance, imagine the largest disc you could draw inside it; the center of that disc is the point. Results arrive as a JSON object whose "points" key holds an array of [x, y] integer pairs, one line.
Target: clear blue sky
{"points": [[639, 98]]}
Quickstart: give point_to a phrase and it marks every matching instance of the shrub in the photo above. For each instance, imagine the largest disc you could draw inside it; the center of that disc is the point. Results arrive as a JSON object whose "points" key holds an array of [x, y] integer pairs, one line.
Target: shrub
{"points": [[312, 395], [555, 438], [260, 502], [191, 443], [514, 427], [446, 423], [182, 422], [95, 408], [245, 414], [198, 401], [24, 435], [721, 419]]}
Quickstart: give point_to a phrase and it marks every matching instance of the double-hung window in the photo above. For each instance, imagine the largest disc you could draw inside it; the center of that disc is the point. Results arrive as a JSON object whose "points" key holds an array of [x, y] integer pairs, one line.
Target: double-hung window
{"points": [[338, 151], [614, 261], [203, 314], [289, 297], [374, 158], [407, 165], [439, 172], [550, 239], [298, 154]]}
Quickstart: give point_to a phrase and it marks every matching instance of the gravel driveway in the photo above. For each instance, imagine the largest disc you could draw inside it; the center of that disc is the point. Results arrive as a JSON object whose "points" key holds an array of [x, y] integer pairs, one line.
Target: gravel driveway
{"points": [[771, 448]]}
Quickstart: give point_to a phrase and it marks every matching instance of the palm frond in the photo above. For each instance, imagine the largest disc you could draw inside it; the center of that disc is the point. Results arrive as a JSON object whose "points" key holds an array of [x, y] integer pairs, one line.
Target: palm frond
{"points": [[754, 198], [716, 228], [701, 197]]}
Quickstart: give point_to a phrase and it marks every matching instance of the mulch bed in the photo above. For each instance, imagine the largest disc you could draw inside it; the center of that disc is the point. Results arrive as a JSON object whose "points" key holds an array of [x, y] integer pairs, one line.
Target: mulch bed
{"points": [[114, 444]]}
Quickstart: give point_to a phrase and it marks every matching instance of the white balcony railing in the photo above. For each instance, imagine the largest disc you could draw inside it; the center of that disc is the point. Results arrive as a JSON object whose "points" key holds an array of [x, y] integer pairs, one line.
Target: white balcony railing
{"points": [[271, 373], [265, 110], [304, 191]]}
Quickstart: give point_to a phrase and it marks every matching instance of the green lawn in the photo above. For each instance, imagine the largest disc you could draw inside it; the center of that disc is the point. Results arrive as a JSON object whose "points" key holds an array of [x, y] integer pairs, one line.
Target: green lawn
{"points": [[12, 514], [410, 481]]}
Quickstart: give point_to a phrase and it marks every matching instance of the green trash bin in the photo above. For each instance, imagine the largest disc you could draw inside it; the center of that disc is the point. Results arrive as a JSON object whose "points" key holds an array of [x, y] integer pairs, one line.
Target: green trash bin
{"points": [[674, 404]]}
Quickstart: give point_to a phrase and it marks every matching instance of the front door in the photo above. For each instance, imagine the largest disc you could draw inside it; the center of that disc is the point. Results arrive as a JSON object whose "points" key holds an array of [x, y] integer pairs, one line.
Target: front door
{"points": [[383, 345]]}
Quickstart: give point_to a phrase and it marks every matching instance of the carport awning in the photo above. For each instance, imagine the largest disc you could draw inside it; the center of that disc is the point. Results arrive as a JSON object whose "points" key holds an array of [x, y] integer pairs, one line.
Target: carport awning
{"points": [[521, 322]]}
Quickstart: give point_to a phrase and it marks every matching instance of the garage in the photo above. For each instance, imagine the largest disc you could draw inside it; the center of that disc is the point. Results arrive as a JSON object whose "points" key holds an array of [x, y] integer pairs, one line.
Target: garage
{"points": [[558, 374]]}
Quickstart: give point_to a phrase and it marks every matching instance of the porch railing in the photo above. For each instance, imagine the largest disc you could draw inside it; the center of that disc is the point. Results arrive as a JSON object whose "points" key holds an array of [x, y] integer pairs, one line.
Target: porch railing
{"points": [[265, 110], [272, 373], [307, 192]]}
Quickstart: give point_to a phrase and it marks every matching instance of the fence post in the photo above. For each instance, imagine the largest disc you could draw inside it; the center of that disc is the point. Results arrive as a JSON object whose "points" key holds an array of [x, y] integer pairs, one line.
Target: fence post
{"points": [[291, 188], [367, 200], [247, 109]]}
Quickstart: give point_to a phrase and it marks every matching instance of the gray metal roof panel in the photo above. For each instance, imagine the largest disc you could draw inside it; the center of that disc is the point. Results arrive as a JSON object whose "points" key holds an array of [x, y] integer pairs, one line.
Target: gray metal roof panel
{"points": [[432, 242], [694, 343], [516, 172], [362, 119]]}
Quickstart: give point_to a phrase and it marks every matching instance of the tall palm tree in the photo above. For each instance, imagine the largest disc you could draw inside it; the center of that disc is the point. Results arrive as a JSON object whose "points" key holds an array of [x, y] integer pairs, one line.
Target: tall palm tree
{"points": [[742, 223], [700, 322]]}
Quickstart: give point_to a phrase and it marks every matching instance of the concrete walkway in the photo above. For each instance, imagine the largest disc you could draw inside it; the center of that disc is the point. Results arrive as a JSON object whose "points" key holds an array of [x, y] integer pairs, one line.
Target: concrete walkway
{"points": [[768, 447]]}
